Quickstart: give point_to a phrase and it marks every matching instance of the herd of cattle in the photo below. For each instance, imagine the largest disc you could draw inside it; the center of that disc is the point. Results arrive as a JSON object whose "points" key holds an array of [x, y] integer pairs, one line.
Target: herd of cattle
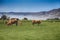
{"points": [[16, 21]]}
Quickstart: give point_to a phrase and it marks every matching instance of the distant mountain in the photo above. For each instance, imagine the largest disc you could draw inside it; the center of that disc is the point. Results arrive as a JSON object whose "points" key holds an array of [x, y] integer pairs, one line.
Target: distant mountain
{"points": [[54, 12], [50, 14]]}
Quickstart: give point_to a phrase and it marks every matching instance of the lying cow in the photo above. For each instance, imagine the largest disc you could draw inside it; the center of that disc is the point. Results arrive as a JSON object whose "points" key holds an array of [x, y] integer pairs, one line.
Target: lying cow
{"points": [[36, 22], [12, 21]]}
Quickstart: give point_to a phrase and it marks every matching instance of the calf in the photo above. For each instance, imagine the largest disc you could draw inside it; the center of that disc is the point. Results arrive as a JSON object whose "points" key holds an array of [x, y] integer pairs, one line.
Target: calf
{"points": [[36, 22]]}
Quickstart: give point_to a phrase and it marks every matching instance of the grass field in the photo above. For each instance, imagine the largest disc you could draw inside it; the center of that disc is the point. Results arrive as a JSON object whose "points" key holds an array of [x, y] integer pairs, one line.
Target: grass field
{"points": [[26, 31]]}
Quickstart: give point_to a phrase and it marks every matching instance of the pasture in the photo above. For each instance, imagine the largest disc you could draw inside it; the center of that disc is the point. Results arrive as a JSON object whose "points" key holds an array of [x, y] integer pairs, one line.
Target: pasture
{"points": [[26, 31]]}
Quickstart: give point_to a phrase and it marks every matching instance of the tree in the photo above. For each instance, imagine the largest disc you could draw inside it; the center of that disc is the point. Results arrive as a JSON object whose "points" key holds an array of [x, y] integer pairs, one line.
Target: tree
{"points": [[56, 18], [3, 17], [25, 19]]}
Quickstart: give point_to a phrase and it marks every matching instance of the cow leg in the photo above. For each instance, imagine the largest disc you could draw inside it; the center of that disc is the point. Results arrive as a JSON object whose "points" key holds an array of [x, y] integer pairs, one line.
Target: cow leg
{"points": [[9, 24], [32, 23], [16, 23]]}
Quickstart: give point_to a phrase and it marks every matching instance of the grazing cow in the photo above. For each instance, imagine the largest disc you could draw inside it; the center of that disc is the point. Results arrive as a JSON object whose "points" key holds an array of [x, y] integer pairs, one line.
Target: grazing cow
{"points": [[12, 21], [36, 22]]}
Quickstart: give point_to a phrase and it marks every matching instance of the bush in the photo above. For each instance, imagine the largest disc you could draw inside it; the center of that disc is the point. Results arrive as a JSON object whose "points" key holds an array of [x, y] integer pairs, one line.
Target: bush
{"points": [[25, 19], [3, 17]]}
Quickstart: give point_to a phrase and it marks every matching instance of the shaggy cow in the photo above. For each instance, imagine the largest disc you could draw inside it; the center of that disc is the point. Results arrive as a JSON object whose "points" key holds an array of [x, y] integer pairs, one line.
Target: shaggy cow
{"points": [[36, 22], [12, 21]]}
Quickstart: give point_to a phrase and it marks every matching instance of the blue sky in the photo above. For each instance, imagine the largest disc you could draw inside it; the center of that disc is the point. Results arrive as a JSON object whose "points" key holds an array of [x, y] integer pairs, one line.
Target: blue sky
{"points": [[28, 5]]}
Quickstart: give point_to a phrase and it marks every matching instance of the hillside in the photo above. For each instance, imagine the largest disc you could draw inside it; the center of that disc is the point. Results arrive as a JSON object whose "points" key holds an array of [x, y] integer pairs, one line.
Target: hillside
{"points": [[54, 13]]}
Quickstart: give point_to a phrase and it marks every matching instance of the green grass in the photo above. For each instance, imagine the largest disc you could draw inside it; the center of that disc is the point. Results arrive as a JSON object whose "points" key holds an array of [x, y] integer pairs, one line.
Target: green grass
{"points": [[26, 31]]}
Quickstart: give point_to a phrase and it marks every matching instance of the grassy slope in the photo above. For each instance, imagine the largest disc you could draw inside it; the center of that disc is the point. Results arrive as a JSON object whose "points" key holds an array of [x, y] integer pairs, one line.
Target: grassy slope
{"points": [[46, 31]]}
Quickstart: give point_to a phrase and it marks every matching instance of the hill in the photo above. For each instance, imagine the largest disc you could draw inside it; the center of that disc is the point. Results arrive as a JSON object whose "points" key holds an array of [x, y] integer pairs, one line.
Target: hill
{"points": [[54, 13]]}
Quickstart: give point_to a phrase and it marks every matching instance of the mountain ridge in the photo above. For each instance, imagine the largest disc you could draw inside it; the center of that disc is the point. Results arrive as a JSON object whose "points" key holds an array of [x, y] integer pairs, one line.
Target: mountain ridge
{"points": [[42, 12], [55, 13]]}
